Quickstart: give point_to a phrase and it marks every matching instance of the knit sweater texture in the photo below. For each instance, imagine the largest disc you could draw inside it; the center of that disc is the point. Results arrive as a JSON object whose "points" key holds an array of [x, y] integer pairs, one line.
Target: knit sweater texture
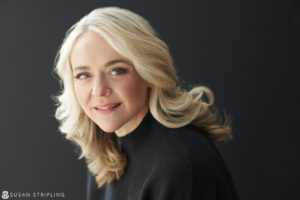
{"points": [[167, 164]]}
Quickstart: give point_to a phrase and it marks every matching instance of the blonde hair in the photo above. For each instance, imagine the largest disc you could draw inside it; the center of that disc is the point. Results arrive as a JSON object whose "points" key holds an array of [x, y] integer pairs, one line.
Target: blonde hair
{"points": [[131, 36]]}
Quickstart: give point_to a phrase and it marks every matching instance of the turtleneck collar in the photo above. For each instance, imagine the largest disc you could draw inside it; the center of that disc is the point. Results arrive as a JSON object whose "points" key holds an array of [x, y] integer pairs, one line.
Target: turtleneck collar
{"points": [[140, 136]]}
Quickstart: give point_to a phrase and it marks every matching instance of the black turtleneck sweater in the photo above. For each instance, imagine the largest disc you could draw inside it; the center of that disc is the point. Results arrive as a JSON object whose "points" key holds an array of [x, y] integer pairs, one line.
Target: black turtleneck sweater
{"points": [[167, 164]]}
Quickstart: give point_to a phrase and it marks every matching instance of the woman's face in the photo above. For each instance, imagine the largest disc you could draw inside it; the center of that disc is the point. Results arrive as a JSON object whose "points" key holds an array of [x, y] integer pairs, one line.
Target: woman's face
{"points": [[107, 86]]}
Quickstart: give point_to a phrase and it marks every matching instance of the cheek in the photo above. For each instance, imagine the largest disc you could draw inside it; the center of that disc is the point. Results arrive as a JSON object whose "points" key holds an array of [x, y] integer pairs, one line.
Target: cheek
{"points": [[134, 91], [81, 95]]}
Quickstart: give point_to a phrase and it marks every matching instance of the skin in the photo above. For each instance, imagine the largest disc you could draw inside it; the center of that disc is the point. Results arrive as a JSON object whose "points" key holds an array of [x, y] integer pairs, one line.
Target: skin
{"points": [[102, 76]]}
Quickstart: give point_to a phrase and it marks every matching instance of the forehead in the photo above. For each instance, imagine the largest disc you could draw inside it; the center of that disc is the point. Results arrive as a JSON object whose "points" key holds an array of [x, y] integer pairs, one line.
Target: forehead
{"points": [[90, 49]]}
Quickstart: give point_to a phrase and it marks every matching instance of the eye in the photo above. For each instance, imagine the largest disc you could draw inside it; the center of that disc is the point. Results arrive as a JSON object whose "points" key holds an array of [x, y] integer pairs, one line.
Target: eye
{"points": [[118, 70], [81, 76]]}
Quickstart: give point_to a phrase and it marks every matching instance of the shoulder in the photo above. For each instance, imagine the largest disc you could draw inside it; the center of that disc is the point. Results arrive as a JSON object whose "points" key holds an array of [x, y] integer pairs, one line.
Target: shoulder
{"points": [[184, 148], [208, 169], [189, 142], [188, 151], [186, 165]]}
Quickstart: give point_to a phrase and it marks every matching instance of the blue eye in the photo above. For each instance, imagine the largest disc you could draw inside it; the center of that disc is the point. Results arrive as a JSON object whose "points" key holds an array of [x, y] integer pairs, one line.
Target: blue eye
{"points": [[119, 70], [81, 76]]}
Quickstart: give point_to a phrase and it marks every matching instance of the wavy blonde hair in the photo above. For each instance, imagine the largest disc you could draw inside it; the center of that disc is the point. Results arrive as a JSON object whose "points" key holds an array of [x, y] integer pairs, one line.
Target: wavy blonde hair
{"points": [[131, 36]]}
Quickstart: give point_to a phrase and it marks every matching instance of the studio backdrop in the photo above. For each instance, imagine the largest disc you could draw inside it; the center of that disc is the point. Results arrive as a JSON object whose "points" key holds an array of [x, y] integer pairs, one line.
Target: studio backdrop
{"points": [[246, 51]]}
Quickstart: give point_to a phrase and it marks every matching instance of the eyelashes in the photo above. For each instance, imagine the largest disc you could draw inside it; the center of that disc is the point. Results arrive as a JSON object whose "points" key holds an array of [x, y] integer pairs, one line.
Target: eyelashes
{"points": [[81, 76], [119, 70], [114, 72]]}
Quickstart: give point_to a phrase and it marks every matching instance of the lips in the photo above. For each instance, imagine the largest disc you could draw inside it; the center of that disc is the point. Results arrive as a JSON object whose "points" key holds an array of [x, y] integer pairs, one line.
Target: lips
{"points": [[107, 106]]}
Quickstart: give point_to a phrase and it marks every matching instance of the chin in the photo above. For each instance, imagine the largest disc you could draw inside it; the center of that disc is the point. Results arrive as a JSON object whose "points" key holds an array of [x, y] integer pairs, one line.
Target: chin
{"points": [[108, 129]]}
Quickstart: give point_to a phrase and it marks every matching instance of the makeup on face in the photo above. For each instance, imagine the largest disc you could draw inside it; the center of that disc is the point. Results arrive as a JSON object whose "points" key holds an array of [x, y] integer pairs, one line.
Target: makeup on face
{"points": [[106, 84]]}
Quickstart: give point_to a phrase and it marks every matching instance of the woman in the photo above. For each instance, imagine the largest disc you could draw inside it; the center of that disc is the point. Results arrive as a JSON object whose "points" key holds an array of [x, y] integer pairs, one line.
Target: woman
{"points": [[141, 135]]}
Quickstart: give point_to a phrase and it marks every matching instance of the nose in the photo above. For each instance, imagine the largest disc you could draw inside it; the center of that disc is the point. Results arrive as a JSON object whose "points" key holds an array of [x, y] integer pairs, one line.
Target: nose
{"points": [[101, 87]]}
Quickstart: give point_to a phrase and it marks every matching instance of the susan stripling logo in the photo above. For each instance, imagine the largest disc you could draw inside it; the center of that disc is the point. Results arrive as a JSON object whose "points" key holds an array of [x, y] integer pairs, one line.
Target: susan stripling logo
{"points": [[5, 195], [17, 195]]}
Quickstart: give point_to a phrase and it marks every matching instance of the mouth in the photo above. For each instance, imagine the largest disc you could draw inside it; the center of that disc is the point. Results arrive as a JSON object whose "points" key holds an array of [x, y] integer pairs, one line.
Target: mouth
{"points": [[107, 106]]}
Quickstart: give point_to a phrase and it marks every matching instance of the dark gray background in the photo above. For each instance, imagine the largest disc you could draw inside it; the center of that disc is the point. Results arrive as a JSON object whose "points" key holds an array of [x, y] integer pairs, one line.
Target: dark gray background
{"points": [[246, 51]]}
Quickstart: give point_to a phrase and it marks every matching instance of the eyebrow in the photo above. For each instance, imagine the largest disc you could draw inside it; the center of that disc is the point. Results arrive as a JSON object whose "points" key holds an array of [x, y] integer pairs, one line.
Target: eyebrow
{"points": [[110, 63]]}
